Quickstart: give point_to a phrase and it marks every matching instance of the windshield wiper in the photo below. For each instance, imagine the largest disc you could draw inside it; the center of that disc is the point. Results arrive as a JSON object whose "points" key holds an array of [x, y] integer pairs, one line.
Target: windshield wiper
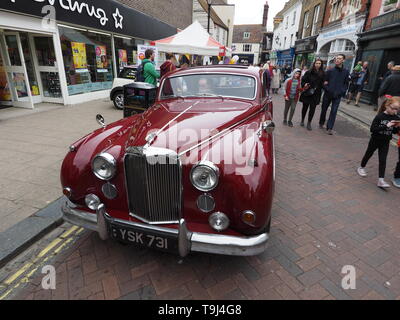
{"points": [[174, 96], [211, 95]]}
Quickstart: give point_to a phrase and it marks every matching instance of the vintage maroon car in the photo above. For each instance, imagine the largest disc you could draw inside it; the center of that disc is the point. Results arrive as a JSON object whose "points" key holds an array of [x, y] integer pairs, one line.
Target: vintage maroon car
{"points": [[195, 172]]}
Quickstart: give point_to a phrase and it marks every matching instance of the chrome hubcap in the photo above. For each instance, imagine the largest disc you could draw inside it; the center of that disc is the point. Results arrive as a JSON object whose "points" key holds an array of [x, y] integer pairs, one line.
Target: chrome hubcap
{"points": [[119, 100]]}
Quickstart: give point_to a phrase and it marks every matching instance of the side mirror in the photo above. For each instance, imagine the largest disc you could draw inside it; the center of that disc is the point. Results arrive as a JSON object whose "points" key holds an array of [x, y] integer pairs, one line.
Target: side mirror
{"points": [[268, 126], [100, 120]]}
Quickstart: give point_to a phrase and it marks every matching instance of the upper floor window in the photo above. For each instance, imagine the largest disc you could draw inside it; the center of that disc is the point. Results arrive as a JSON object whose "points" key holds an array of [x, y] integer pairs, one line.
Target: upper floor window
{"points": [[247, 48], [389, 5], [354, 6], [287, 22], [294, 18], [246, 35], [315, 30], [305, 23], [336, 10]]}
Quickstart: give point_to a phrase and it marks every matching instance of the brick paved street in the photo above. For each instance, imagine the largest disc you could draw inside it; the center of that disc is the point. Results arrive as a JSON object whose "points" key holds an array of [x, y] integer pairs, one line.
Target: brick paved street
{"points": [[324, 217]]}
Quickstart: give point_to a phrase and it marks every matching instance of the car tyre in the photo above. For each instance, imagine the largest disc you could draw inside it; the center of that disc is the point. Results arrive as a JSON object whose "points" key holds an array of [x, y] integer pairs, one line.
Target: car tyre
{"points": [[118, 100]]}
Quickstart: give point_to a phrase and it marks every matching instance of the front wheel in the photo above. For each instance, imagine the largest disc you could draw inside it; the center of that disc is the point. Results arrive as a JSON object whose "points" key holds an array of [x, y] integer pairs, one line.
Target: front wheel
{"points": [[118, 100]]}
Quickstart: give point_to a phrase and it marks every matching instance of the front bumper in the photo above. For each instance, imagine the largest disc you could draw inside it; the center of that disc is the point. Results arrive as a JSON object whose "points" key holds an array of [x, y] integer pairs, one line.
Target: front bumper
{"points": [[188, 241]]}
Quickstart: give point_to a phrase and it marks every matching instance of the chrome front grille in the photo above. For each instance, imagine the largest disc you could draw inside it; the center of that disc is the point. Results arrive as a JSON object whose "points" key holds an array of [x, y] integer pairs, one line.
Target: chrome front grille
{"points": [[154, 184]]}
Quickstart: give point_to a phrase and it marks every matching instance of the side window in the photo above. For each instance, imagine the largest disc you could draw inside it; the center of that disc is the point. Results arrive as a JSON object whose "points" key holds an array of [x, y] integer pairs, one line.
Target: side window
{"points": [[128, 73]]}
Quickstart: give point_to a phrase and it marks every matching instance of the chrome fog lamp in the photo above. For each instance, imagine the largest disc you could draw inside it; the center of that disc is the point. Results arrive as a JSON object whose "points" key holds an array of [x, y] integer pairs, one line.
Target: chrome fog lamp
{"points": [[104, 166], [219, 221], [92, 201], [204, 176]]}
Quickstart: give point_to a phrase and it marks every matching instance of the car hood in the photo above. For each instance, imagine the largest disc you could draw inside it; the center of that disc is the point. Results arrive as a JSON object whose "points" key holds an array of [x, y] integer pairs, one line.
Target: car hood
{"points": [[182, 124]]}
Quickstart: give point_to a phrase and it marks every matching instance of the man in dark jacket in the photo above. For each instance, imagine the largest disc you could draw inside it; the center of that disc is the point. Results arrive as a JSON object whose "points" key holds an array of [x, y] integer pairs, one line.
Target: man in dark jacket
{"points": [[391, 86], [335, 86]]}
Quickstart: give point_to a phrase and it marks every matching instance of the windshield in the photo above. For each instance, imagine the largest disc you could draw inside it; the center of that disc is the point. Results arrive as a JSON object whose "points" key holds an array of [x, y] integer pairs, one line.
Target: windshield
{"points": [[209, 85]]}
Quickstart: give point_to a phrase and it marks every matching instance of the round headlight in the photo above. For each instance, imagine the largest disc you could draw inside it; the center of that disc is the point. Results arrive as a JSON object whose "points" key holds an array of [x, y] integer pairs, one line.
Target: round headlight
{"points": [[104, 166], [205, 176]]}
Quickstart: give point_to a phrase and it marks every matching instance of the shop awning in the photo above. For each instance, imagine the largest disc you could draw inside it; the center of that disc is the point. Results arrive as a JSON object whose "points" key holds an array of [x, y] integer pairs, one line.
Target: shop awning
{"points": [[193, 40]]}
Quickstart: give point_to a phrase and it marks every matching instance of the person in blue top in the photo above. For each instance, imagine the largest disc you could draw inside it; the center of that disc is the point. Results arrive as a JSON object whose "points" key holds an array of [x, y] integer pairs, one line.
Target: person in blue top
{"points": [[335, 86]]}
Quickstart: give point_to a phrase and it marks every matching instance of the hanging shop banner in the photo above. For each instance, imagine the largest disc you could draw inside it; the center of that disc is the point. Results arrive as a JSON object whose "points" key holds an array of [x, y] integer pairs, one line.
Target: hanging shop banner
{"points": [[101, 59], [123, 58], [107, 15], [79, 55], [141, 53]]}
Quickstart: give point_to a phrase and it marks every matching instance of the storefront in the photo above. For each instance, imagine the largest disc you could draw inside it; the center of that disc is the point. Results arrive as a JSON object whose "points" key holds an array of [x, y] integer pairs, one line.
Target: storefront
{"points": [[305, 52], [68, 52], [340, 38], [380, 45]]}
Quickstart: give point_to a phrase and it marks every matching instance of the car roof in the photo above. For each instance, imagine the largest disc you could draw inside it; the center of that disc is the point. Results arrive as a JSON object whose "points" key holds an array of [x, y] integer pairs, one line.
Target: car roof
{"points": [[234, 69]]}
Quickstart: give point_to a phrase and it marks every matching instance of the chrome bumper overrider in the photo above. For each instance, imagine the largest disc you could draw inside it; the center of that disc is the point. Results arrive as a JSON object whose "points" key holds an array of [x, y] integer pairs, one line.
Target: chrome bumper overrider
{"points": [[188, 241]]}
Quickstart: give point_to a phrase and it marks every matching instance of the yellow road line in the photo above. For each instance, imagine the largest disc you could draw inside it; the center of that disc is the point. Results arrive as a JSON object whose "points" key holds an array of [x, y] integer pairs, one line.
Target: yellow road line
{"points": [[18, 273], [68, 232], [45, 251], [62, 239]]}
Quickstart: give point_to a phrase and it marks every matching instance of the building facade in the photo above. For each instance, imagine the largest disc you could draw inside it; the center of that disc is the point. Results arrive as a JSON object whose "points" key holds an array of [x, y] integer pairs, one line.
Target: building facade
{"points": [[267, 36], [221, 19], [312, 17], [343, 21], [285, 33], [380, 43], [247, 43], [70, 52]]}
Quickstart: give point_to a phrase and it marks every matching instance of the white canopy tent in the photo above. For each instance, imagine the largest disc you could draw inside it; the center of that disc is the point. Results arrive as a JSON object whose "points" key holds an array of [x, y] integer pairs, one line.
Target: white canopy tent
{"points": [[193, 40]]}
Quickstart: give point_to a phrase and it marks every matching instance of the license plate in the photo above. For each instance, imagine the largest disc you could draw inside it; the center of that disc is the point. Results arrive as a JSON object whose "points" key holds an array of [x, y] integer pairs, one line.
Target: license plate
{"points": [[143, 237]]}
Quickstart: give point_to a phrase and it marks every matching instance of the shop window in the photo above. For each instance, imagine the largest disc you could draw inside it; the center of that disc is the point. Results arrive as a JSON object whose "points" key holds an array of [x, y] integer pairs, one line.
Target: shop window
{"points": [[45, 51], [13, 51], [350, 46], [30, 68], [5, 94], [126, 51], [87, 59]]}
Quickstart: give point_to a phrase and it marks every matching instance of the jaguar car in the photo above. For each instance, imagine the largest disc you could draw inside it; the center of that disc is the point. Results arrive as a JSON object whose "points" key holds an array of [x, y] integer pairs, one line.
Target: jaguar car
{"points": [[193, 173]]}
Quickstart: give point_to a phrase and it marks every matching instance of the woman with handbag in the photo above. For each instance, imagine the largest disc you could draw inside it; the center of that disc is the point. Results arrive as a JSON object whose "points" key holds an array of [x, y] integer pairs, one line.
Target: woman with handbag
{"points": [[311, 98]]}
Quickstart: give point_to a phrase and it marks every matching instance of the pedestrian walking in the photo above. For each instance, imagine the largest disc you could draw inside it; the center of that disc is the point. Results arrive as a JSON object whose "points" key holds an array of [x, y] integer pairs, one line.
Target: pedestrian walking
{"points": [[149, 70], [385, 124], [276, 80], [396, 180], [168, 65], [292, 94], [381, 79], [311, 98], [391, 86], [335, 87], [363, 80]]}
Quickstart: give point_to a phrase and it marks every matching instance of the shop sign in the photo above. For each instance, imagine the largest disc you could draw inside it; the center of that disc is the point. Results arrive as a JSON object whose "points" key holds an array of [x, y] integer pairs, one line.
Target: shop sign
{"points": [[351, 29], [106, 15], [386, 19]]}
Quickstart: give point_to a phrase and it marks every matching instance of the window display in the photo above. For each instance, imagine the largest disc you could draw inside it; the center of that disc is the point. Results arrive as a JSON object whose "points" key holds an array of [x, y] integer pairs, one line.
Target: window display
{"points": [[126, 51], [87, 60]]}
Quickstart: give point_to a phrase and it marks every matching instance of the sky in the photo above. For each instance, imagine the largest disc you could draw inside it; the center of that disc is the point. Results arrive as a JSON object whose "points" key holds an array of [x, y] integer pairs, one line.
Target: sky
{"points": [[251, 11]]}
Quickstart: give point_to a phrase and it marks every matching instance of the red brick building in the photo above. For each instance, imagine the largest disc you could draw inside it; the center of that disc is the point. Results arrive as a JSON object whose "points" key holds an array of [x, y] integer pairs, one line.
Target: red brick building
{"points": [[177, 13]]}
